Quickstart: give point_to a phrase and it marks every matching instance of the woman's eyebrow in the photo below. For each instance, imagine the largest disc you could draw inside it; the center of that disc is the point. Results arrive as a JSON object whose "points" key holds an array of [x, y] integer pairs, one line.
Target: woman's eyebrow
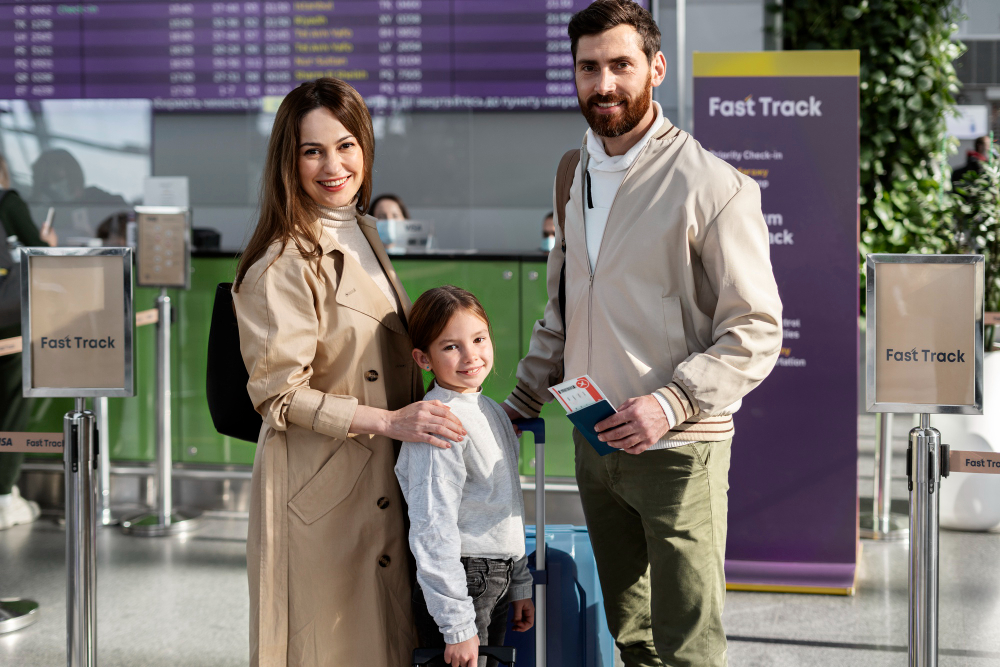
{"points": [[316, 143]]}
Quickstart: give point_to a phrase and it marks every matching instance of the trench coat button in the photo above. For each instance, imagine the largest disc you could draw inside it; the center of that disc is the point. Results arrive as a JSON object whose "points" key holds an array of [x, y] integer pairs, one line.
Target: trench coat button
{"points": [[371, 376], [382, 502], [384, 561]]}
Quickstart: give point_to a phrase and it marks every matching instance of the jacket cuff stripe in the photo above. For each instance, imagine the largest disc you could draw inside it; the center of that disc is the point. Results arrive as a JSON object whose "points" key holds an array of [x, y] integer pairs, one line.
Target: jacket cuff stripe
{"points": [[527, 398]]}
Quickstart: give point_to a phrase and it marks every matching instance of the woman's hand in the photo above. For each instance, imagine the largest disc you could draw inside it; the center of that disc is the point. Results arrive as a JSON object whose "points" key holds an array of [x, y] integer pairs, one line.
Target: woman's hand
{"points": [[422, 421], [463, 654]]}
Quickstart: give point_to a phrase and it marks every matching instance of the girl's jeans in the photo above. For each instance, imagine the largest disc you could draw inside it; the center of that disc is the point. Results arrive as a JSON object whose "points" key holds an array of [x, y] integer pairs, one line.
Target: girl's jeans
{"points": [[488, 581]]}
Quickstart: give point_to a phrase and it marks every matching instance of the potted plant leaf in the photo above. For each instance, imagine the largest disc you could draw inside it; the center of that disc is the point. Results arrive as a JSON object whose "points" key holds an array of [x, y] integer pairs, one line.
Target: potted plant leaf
{"points": [[972, 502]]}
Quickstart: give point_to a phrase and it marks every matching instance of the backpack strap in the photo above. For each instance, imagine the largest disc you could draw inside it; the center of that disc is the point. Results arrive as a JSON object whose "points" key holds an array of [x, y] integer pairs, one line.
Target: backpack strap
{"points": [[564, 181]]}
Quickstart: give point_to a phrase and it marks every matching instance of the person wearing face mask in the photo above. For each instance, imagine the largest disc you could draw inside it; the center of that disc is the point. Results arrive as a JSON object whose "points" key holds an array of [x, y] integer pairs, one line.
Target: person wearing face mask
{"points": [[669, 303], [323, 333], [548, 232], [388, 207], [16, 221]]}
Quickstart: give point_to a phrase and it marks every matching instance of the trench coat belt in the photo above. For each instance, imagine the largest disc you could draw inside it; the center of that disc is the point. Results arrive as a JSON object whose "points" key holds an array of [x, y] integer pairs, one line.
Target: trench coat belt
{"points": [[273, 635]]}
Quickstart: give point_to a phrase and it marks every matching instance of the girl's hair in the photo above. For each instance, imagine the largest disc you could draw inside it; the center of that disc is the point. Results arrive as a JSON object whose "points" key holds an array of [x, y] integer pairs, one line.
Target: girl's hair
{"points": [[286, 211], [435, 308]]}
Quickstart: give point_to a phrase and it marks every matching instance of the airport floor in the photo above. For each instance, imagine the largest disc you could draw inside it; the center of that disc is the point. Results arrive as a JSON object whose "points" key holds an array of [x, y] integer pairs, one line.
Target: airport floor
{"points": [[183, 601]]}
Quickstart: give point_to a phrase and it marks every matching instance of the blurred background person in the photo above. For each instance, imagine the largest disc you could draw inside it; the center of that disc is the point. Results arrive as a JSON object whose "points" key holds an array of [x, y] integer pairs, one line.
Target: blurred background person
{"points": [[17, 223], [974, 159], [388, 207], [58, 178], [112, 230], [384, 208], [548, 232]]}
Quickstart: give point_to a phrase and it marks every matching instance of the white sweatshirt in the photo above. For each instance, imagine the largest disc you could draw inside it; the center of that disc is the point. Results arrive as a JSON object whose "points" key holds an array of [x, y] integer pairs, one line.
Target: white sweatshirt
{"points": [[464, 501]]}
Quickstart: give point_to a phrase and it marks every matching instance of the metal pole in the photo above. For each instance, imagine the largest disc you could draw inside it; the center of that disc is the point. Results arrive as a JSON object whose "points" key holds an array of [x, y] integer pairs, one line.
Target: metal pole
{"points": [[165, 520], [881, 523], [164, 440], [924, 481], [104, 490], [681, 66], [80, 458], [882, 496], [541, 630]]}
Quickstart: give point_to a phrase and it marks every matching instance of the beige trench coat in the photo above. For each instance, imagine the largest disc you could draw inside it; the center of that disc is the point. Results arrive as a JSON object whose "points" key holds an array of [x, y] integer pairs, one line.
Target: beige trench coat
{"points": [[327, 557]]}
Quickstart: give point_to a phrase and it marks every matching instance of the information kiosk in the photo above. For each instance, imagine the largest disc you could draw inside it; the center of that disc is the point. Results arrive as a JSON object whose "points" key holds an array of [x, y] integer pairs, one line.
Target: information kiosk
{"points": [[78, 325], [924, 356]]}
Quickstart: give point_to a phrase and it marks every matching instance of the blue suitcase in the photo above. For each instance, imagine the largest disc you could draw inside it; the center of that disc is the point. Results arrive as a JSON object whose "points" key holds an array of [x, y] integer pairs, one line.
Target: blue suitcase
{"points": [[570, 621], [576, 627]]}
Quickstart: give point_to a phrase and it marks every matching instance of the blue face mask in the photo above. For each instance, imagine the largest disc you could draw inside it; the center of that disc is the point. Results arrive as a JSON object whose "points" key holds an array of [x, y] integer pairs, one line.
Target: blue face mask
{"points": [[548, 243]]}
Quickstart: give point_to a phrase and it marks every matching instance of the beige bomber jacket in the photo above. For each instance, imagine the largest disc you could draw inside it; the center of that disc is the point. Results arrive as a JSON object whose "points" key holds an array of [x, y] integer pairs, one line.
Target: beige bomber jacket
{"points": [[682, 300]]}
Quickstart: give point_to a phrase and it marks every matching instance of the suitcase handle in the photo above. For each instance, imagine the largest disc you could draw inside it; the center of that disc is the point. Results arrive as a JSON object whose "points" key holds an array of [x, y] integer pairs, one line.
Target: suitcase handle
{"points": [[505, 654], [536, 426]]}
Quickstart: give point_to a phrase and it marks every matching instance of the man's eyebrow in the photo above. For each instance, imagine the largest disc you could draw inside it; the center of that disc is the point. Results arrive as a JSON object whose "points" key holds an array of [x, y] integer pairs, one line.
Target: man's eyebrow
{"points": [[616, 59]]}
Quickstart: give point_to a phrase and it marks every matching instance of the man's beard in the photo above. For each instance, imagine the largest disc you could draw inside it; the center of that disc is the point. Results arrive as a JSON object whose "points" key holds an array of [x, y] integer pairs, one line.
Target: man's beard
{"points": [[633, 109]]}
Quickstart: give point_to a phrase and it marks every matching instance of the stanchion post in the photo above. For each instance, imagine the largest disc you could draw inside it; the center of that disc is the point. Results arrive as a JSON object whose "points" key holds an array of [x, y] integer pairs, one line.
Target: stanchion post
{"points": [[924, 480], [104, 460], [80, 457], [165, 520], [881, 523]]}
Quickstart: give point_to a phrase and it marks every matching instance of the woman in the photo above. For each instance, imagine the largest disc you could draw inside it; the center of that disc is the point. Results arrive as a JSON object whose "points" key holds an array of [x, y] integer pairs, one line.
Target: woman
{"points": [[15, 219], [322, 321]]}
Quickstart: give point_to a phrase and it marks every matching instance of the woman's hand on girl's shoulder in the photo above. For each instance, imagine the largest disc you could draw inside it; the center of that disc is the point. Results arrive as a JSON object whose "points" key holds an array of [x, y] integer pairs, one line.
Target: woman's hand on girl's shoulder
{"points": [[425, 421]]}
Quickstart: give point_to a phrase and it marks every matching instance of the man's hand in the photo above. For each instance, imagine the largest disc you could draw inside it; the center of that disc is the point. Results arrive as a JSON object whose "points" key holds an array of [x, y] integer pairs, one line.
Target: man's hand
{"points": [[513, 415], [524, 615], [463, 654], [638, 424]]}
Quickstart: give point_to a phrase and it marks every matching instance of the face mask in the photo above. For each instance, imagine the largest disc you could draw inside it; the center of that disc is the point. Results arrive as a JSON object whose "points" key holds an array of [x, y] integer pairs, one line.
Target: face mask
{"points": [[548, 243]]}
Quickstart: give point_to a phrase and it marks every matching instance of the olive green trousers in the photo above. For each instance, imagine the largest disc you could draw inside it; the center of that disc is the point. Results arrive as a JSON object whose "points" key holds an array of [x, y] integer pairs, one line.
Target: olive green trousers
{"points": [[657, 522]]}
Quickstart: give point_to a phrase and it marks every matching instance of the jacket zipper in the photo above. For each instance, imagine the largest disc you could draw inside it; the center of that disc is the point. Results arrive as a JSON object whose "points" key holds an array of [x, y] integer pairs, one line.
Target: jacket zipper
{"points": [[600, 249]]}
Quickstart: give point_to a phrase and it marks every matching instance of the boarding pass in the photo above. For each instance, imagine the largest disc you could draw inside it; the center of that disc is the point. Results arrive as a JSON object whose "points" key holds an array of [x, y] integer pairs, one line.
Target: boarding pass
{"points": [[578, 393]]}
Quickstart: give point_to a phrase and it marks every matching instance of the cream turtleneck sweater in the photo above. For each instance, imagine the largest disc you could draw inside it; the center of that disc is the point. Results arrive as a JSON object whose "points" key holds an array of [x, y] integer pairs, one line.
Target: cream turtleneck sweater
{"points": [[342, 225]]}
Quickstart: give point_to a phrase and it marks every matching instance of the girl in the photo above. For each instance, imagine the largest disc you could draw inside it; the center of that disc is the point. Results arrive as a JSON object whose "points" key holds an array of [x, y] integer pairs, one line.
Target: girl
{"points": [[465, 505]]}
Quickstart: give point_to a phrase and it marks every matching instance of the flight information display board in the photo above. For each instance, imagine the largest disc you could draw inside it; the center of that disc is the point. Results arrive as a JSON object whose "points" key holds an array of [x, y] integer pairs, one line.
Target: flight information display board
{"points": [[205, 55]]}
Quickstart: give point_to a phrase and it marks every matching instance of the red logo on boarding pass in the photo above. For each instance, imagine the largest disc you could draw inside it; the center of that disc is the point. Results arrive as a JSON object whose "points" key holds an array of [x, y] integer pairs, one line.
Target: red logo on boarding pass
{"points": [[582, 383]]}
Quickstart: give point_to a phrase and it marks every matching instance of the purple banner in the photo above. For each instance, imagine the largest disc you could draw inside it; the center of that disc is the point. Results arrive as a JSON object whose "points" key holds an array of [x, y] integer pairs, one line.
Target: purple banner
{"points": [[793, 499]]}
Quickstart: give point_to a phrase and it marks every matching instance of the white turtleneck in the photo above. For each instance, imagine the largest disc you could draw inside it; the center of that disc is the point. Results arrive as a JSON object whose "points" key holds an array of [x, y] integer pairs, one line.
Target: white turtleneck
{"points": [[606, 175], [342, 225]]}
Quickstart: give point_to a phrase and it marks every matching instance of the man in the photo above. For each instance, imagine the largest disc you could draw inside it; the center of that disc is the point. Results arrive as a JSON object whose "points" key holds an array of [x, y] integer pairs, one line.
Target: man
{"points": [[671, 307]]}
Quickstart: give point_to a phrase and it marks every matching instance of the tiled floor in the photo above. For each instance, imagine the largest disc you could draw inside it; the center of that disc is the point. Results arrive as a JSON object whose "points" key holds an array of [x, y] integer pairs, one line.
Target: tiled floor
{"points": [[183, 601]]}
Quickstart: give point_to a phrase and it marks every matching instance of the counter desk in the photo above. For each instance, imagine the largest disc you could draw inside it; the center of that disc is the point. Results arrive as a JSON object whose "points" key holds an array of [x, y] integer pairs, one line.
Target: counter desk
{"points": [[510, 286]]}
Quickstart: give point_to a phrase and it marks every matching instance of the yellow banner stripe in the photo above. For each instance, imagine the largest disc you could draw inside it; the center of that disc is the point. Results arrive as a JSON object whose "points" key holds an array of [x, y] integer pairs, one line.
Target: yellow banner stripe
{"points": [[778, 63]]}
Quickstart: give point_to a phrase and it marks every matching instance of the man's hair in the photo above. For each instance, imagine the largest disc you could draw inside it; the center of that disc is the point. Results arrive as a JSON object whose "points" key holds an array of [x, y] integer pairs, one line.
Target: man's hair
{"points": [[604, 15], [983, 145]]}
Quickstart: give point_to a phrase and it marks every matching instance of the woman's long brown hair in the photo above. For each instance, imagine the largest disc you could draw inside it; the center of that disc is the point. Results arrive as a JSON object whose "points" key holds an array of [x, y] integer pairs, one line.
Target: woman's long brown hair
{"points": [[286, 212]]}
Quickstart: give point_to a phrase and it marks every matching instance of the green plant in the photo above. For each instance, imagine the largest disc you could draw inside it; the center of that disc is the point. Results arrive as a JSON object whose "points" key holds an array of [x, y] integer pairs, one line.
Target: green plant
{"points": [[908, 84], [977, 227]]}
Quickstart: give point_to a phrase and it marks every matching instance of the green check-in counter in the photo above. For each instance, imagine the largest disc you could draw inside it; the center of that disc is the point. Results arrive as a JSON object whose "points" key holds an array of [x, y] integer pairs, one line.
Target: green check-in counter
{"points": [[510, 287]]}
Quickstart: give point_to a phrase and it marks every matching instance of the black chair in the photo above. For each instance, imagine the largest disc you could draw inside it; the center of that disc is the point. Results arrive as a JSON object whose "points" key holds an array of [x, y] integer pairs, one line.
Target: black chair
{"points": [[505, 654]]}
